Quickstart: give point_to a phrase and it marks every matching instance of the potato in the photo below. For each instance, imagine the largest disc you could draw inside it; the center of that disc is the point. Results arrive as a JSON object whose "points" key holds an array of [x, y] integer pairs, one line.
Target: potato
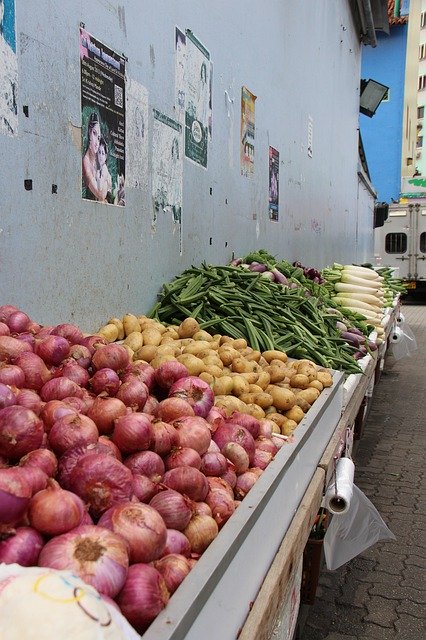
{"points": [[277, 418], [263, 380], [109, 332], [317, 385], [203, 335], [251, 377], [197, 346], [302, 403], [188, 327], [214, 370], [226, 340], [130, 324], [276, 373], [274, 355], [283, 399], [227, 355], [310, 395], [168, 347], [155, 362], [239, 385], [134, 340], [263, 400], [299, 381], [240, 343], [212, 359], [119, 324], [241, 365], [296, 413], [129, 351], [223, 386], [254, 410], [194, 365], [230, 404], [325, 378], [254, 388], [253, 356], [308, 369], [170, 333], [148, 352], [288, 427], [151, 336], [207, 377]]}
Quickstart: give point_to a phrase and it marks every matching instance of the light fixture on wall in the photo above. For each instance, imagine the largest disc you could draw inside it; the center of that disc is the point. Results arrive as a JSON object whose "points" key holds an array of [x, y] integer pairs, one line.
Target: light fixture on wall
{"points": [[372, 93]]}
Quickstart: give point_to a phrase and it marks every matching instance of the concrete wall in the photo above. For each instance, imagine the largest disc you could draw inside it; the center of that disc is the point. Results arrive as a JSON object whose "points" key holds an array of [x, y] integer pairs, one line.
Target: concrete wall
{"points": [[66, 259]]}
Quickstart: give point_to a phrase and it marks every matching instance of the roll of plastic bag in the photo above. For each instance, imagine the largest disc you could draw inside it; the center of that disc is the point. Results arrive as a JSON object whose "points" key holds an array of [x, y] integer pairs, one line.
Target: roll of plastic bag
{"points": [[400, 319], [402, 342], [397, 335], [350, 534], [339, 492]]}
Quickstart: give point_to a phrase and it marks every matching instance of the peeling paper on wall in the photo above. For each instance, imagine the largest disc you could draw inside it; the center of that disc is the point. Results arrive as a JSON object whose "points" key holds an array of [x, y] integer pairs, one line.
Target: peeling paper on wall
{"points": [[8, 69], [137, 135]]}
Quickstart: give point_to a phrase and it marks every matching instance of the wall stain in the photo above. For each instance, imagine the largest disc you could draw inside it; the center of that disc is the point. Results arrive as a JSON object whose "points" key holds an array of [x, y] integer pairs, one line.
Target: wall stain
{"points": [[152, 54], [122, 19], [75, 135]]}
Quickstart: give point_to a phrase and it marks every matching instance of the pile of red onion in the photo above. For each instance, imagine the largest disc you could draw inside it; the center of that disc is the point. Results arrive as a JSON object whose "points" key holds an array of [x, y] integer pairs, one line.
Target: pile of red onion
{"points": [[118, 472]]}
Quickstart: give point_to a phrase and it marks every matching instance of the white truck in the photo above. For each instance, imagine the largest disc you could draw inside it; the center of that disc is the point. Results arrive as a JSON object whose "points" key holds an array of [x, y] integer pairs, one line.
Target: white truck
{"points": [[401, 243]]}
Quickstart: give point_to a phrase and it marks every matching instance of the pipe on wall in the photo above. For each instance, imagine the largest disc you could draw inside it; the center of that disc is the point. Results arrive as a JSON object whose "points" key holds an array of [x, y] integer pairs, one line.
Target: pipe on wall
{"points": [[368, 32]]}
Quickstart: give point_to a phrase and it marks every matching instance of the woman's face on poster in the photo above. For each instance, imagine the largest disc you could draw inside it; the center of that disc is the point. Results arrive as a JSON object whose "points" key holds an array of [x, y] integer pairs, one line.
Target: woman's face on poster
{"points": [[101, 155], [94, 137]]}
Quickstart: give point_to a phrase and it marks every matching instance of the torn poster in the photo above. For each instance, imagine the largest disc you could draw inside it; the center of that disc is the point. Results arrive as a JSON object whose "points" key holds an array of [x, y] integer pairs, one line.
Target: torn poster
{"points": [[8, 69], [247, 132], [274, 171], [198, 74], [136, 136], [167, 166]]}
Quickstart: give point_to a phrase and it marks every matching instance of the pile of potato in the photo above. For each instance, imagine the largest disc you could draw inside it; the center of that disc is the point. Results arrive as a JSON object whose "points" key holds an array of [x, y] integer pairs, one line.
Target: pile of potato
{"points": [[266, 385]]}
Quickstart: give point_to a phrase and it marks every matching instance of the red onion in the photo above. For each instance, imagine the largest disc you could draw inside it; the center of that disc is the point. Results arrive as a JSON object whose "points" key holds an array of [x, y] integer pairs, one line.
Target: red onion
{"points": [[174, 568], [230, 477], [151, 406], [140, 370], [235, 433], [266, 427], [4, 329], [105, 381], [69, 331], [26, 337], [165, 437], [134, 393], [173, 507], [44, 459], [87, 519], [95, 554], [147, 463], [6, 311], [236, 454], [7, 397], [34, 327], [35, 370], [22, 547], [111, 356], [182, 457], [143, 596], [265, 444], [18, 322], [11, 348], [245, 420], [213, 448], [222, 506], [43, 332], [71, 430], [245, 481], [53, 410], [169, 372], [171, 409], [201, 531], [92, 343], [262, 458], [79, 404], [193, 432], [109, 444], [187, 480], [12, 374], [197, 392], [36, 478], [219, 484], [15, 494], [144, 488], [177, 542], [60, 388], [141, 526], [213, 464], [133, 432], [215, 418], [72, 456], [21, 431], [201, 509], [81, 355], [104, 411], [30, 400], [74, 372], [54, 511], [52, 349], [101, 481]]}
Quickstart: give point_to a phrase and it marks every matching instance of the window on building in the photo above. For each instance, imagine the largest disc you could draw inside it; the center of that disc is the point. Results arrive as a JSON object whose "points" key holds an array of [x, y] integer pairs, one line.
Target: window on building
{"points": [[396, 243], [422, 83], [423, 242], [420, 112], [423, 20], [422, 51], [419, 143]]}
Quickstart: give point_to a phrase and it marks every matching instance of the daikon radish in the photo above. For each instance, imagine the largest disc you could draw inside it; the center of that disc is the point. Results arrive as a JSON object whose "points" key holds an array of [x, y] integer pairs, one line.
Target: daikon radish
{"points": [[362, 272], [345, 299], [362, 293], [362, 282]]}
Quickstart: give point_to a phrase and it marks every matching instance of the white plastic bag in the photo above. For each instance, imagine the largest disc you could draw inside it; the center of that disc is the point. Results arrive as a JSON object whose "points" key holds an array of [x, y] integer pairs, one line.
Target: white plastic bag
{"points": [[349, 534], [402, 342]]}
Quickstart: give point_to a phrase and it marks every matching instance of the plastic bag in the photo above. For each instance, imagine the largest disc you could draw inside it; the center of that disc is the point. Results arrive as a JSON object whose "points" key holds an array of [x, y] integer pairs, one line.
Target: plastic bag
{"points": [[351, 533], [402, 342]]}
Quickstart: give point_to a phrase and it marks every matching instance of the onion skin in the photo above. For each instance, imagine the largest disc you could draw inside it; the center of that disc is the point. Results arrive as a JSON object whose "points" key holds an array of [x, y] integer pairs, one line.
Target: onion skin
{"points": [[35, 370], [245, 420], [174, 568], [104, 411], [75, 372], [71, 430], [21, 547], [235, 433], [36, 478], [111, 356], [95, 554], [54, 511], [177, 542], [171, 409], [147, 463], [6, 311], [173, 507], [53, 410], [15, 494], [140, 370], [70, 332], [165, 437], [11, 374], [213, 464], [7, 397], [105, 381], [187, 480], [244, 483], [133, 393], [18, 322], [182, 457], [169, 372], [81, 355], [4, 329], [11, 348], [101, 481], [143, 596], [141, 526], [21, 431], [53, 349], [193, 432], [132, 432], [222, 506], [197, 392], [30, 400], [44, 459], [201, 531], [60, 388], [143, 488]]}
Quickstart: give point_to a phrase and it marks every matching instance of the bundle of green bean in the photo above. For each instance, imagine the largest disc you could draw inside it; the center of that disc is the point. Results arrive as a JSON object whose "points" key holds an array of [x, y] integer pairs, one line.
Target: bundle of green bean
{"points": [[242, 304]]}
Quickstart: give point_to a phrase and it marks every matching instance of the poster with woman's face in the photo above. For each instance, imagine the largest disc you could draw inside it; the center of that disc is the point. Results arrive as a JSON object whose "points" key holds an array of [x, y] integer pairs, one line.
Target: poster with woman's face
{"points": [[103, 122]]}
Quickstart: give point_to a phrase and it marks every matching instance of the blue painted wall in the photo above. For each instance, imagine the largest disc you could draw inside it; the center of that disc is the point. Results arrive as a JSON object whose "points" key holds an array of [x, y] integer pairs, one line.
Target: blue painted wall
{"points": [[382, 134]]}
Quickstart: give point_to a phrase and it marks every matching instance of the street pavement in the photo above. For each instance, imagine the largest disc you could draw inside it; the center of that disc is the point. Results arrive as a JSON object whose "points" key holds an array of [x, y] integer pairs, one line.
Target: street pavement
{"points": [[381, 594]]}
